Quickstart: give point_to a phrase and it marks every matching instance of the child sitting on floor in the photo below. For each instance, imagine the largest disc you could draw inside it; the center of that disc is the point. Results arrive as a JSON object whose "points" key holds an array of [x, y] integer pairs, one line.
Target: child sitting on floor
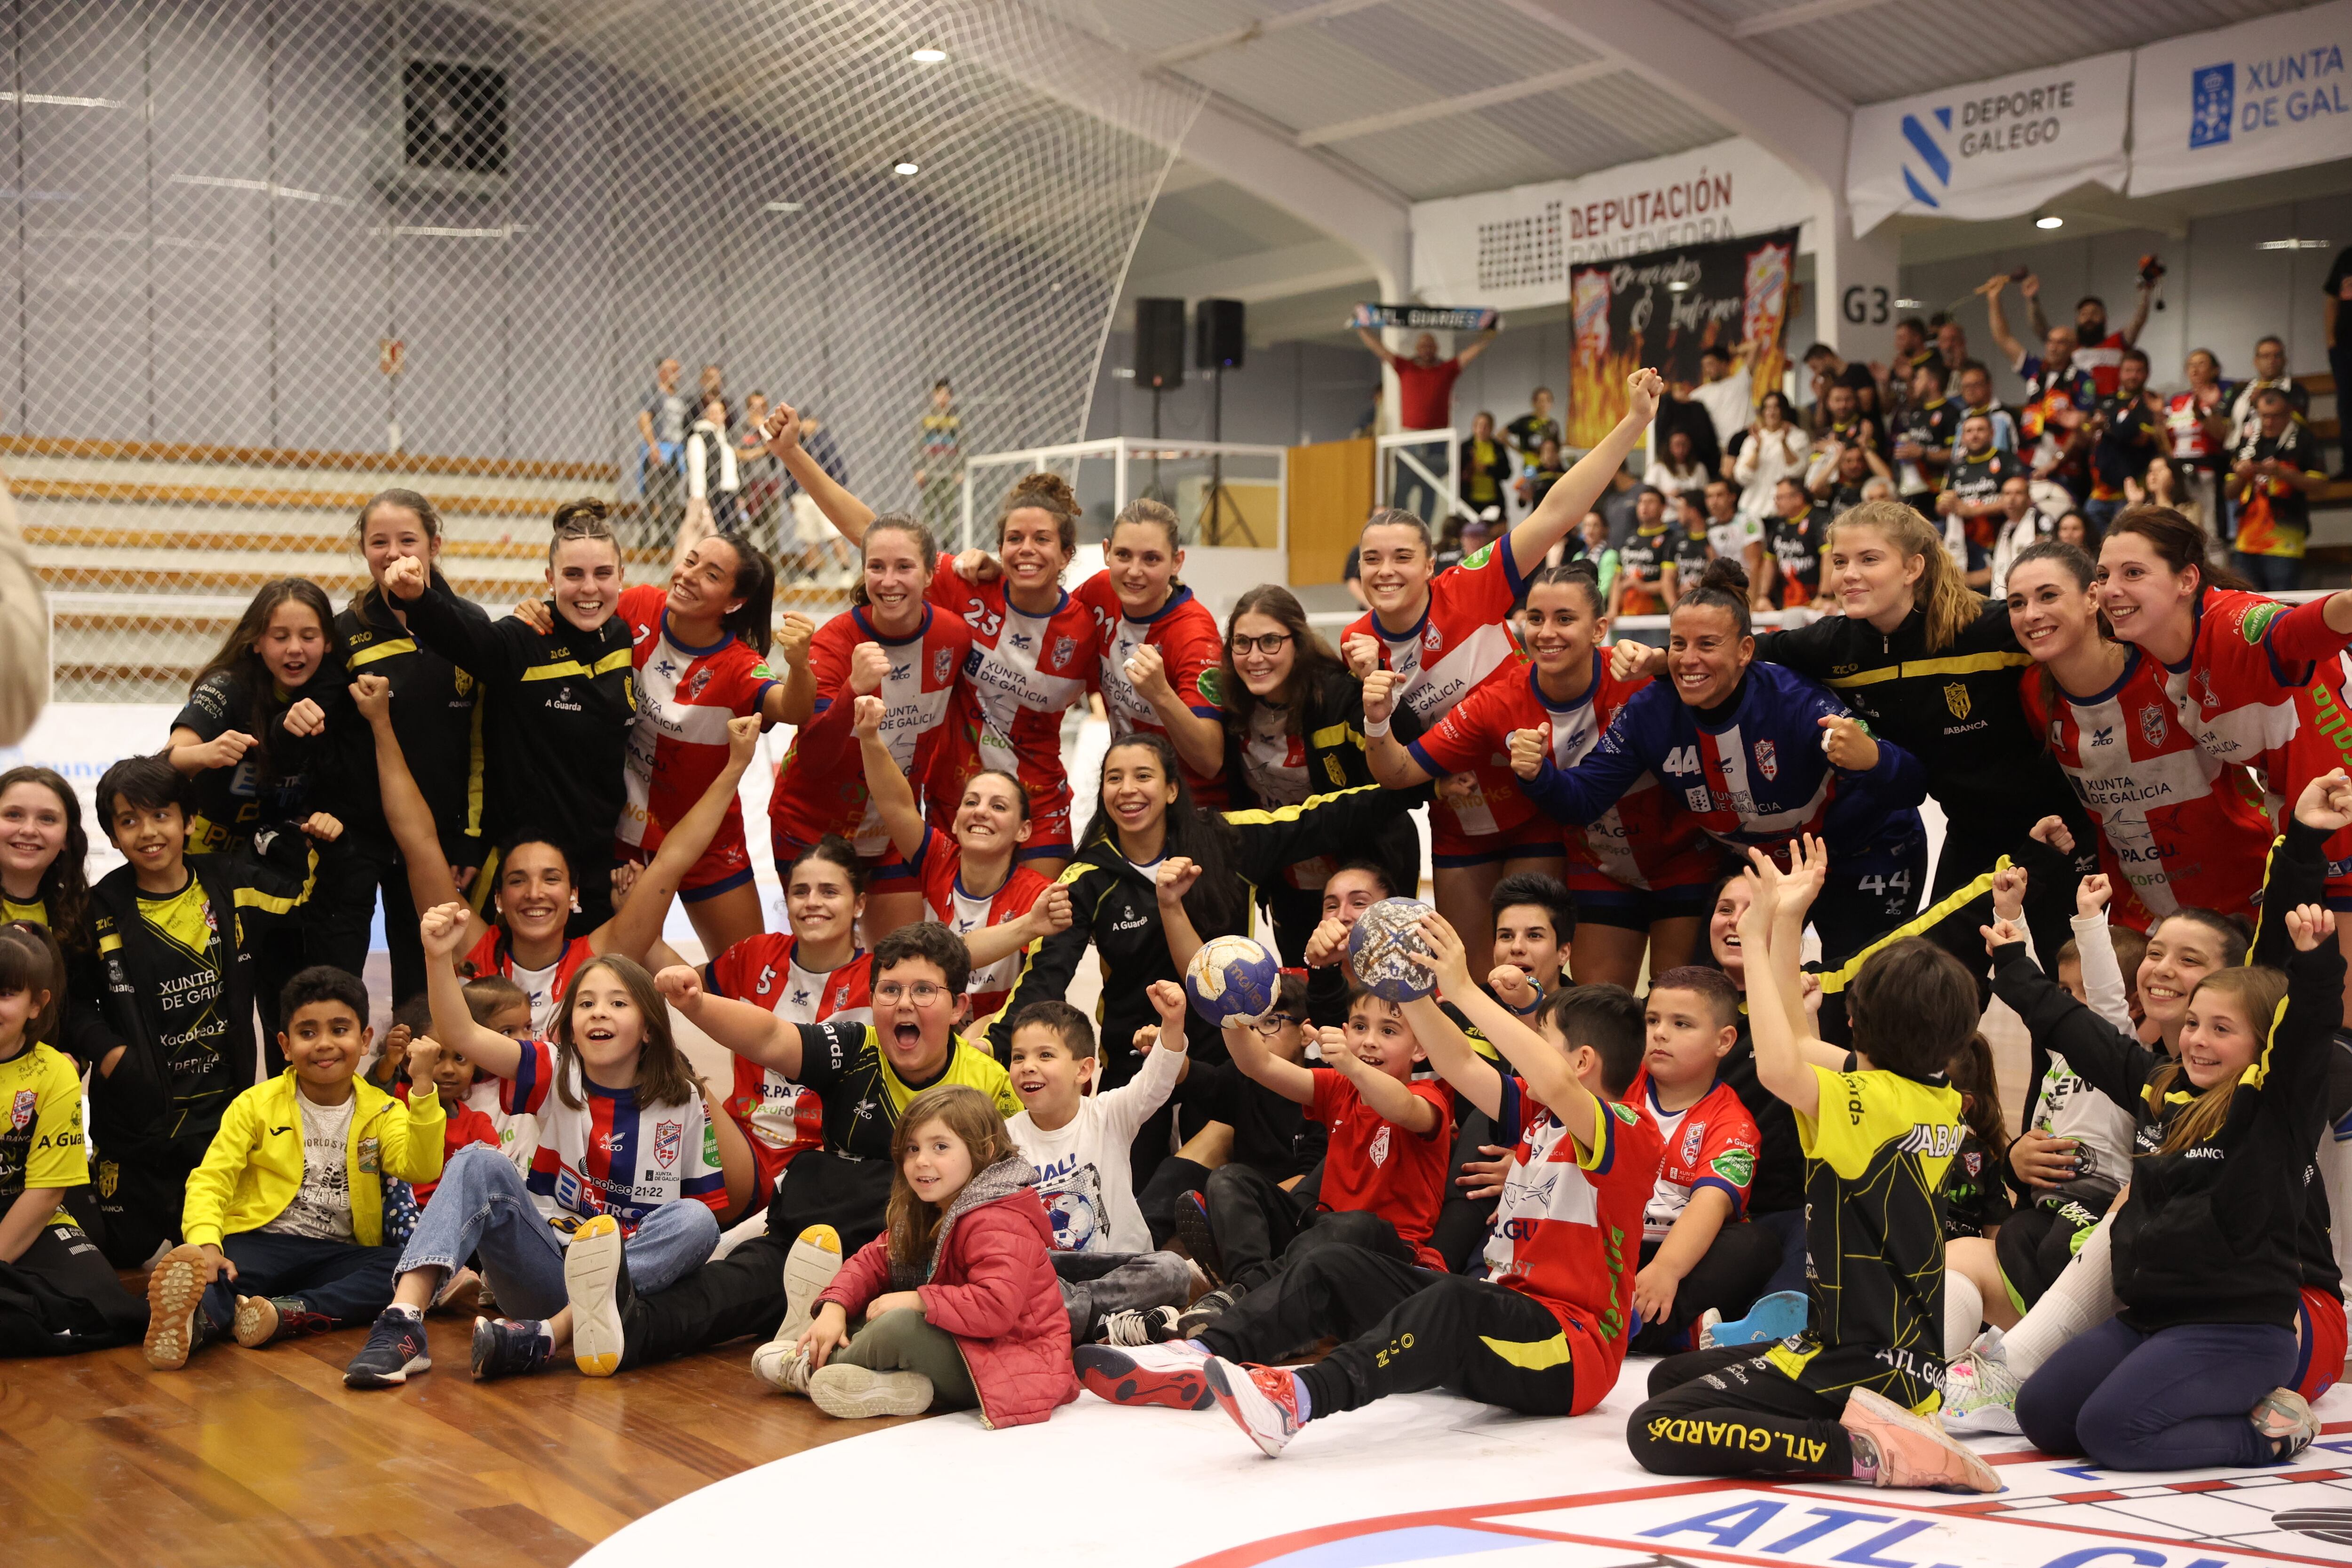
{"points": [[957, 1301], [285, 1213], [1116, 1286]]}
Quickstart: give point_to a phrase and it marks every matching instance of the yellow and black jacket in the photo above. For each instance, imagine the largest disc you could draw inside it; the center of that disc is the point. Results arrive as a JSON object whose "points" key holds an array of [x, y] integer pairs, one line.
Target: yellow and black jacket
{"points": [[436, 712]]}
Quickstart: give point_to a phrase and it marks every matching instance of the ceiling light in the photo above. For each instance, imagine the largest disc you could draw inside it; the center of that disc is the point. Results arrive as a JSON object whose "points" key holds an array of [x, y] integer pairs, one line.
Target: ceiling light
{"points": [[2291, 245], [2050, 220], [781, 207], [904, 167], [927, 56], [1906, 304]]}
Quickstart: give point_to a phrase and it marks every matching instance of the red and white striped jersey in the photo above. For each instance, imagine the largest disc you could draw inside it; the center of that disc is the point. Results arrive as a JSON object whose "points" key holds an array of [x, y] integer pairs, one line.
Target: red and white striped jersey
{"points": [[684, 698], [610, 1154], [1190, 648], [1023, 672], [2239, 689], [941, 870], [781, 1118], [2177, 827], [545, 987], [822, 786]]}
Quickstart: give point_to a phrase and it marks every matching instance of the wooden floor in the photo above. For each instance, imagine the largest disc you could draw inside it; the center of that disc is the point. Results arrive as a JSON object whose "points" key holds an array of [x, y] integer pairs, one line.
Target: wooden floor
{"points": [[249, 1458]]}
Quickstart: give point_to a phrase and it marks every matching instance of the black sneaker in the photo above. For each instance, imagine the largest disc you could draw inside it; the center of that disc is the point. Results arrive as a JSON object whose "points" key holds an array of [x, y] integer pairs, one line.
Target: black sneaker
{"points": [[1207, 1311], [504, 1347], [395, 1348], [1192, 1229]]}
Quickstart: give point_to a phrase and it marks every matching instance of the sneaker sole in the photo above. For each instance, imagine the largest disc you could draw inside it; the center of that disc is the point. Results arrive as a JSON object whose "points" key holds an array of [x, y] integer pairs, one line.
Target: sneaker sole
{"points": [[419, 1363], [1768, 1321], [1192, 1230], [855, 1393], [257, 1322], [809, 1267], [1879, 1409], [1222, 1388], [591, 1266], [1112, 1376], [175, 1293]]}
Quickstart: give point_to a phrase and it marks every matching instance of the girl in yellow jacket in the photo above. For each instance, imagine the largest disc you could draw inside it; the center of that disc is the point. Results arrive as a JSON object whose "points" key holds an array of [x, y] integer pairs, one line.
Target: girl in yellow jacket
{"points": [[285, 1215]]}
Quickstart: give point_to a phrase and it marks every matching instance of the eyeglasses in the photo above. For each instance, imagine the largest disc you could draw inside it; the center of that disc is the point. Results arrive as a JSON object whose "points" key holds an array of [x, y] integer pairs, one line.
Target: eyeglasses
{"points": [[1270, 643], [1273, 1023], [922, 993]]}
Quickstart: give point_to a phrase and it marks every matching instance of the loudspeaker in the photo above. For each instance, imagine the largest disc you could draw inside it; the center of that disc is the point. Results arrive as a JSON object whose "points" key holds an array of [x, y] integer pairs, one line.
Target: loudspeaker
{"points": [[1159, 342], [1217, 334]]}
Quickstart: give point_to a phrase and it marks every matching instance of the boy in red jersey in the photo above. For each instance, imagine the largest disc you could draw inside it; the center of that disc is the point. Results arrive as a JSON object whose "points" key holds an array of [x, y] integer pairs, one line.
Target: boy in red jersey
{"points": [[1697, 1254], [1546, 1333]]}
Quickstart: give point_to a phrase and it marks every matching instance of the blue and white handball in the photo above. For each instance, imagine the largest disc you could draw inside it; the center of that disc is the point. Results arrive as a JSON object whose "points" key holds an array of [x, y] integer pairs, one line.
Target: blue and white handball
{"points": [[1233, 977], [1382, 945]]}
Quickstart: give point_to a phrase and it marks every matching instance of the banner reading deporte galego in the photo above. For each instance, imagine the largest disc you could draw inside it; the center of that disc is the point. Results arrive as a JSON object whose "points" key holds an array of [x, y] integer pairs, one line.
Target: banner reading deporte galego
{"points": [[1661, 309]]}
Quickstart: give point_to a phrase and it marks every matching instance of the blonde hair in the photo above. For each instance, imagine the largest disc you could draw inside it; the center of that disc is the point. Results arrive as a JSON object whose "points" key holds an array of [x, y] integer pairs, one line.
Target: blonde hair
{"points": [[1941, 591], [973, 1118], [2257, 991]]}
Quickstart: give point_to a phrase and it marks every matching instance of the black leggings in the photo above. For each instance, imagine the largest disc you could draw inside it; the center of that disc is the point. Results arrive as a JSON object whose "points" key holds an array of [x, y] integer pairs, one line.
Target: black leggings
{"points": [[61, 1296], [1729, 1410], [1401, 1330], [1260, 1229], [2034, 1245], [1728, 1276]]}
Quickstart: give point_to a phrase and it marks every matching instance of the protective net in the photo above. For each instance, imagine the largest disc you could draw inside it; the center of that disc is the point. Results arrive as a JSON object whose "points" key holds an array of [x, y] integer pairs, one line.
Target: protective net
{"points": [[272, 256]]}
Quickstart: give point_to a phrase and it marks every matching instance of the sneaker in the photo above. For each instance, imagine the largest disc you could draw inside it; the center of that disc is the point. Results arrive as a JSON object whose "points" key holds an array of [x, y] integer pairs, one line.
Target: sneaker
{"points": [[1912, 1451], [2284, 1418], [395, 1348], [176, 1324], [1206, 1310], [1165, 1374], [596, 1285], [1192, 1230], [1262, 1400], [786, 1374], [1979, 1391], [263, 1319], [856, 1392], [1779, 1316], [1149, 1326], [809, 1267], [505, 1348]]}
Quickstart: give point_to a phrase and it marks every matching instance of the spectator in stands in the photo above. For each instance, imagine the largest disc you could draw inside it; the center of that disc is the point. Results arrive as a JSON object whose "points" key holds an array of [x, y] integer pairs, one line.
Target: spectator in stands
{"points": [[1680, 414], [763, 478], [1619, 504], [1728, 392], [1527, 435], [2097, 351], [2021, 525], [1841, 482], [2197, 422], [2271, 480], [1925, 430], [712, 480], [1425, 382], [1592, 544], [1841, 424], [2059, 394], [661, 423], [24, 632], [1550, 469], [2338, 290], [2270, 370], [1351, 576], [713, 383], [2126, 432], [1976, 397], [1896, 391], [939, 460], [1774, 449], [1485, 464], [1951, 341], [1678, 469], [819, 542], [2164, 485], [1829, 369]]}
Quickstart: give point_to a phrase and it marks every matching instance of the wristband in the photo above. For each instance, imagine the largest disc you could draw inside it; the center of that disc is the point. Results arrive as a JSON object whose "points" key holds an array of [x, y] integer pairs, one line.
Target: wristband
{"points": [[1373, 732]]}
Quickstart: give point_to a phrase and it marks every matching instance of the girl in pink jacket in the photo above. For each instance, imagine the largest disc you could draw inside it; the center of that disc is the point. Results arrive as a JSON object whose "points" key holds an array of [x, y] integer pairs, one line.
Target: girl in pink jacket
{"points": [[958, 1299]]}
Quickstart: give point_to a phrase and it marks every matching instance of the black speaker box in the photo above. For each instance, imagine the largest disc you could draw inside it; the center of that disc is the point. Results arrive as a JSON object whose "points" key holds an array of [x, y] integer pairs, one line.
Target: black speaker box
{"points": [[1218, 336], [1159, 342]]}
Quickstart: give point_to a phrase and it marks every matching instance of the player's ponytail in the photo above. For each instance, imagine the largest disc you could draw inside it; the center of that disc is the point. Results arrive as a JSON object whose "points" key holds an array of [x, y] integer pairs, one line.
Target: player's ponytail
{"points": [[1723, 586], [754, 620], [1942, 591]]}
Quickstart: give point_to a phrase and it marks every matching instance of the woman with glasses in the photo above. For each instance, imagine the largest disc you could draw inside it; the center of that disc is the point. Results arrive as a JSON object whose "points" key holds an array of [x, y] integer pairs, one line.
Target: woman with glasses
{"points": [[1295, 727]]}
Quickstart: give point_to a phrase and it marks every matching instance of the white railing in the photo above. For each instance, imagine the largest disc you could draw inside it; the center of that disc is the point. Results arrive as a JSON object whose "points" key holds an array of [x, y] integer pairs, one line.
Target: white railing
{"points": [[1207, 474]]}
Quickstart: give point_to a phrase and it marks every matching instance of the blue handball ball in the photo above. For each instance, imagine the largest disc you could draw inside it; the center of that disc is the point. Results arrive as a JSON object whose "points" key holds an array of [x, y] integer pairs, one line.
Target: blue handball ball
{"points": [[1233, 977], [1382, 947]]}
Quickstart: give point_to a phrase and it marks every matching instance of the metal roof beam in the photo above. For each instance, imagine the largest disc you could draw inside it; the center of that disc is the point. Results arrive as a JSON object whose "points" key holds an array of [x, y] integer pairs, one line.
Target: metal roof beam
{"points": [[1264, 27], [1465, 103], [1799, 15]]}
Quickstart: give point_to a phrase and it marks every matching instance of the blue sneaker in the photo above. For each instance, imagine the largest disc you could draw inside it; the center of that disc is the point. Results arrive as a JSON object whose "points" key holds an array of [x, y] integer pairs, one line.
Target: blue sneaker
{"points": [[395, 1348], [505, 1348], [1774, 1318]]}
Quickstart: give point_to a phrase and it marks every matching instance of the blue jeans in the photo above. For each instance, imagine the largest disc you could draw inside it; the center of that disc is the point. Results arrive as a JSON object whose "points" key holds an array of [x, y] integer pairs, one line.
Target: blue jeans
{"points": [[1788, 1225], [2268, 574], [482, 1208], [2173, 1400], [338, 1279]]}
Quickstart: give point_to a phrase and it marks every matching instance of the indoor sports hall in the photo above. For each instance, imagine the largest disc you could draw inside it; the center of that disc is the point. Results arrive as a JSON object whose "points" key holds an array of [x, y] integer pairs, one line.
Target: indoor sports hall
{"points": [[1424, 707]]}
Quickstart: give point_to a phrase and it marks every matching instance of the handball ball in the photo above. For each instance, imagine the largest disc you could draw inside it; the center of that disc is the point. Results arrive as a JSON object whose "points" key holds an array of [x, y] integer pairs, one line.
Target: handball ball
{"points": [[1233, 977], [1382, 946]]}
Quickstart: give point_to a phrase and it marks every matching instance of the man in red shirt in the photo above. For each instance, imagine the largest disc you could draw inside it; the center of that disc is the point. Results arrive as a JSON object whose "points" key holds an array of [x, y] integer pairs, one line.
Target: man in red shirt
{"points": [[1425, 382]]}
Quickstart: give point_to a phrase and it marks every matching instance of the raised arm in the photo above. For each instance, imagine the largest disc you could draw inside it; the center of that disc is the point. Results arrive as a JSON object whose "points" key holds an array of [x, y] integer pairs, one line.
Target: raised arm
{"points": [[1998, 319], [1171, 882], [849, 515], [752, 1033], [1478, 345], [893, 792], [1372, 340], [454, 628], [414, 831], [1451, 1055], [1389, 1099], [639, 921], [1286, 1078], [443, 929], [1572, 496], [1773, 932], [793, 700]]}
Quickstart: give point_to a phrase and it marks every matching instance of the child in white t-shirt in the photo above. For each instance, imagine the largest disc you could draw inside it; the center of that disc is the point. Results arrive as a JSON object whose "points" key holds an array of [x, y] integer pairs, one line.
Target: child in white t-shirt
{"points": [[1115, 1288]]}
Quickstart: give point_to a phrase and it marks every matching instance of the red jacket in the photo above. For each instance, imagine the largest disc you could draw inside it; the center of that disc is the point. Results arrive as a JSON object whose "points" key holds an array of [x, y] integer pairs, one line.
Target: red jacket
{"points": [[466, 1125], [995, 1290]]}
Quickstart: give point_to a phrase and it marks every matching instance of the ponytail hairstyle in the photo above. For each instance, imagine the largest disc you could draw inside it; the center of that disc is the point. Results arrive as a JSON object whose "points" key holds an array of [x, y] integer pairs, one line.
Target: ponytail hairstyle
{"points": [[1942, 593], [1218, 902], [1397, 517], [1583, 572], [664, 1076], [587, 518], [912, 1224], [752, 622], [926, 548], [250, 684], [1050, 493], [1971, 1072], [30, 960], [399, 500], [1152, 514], [1311, 659], [64, 887], [2178, 542], [2258, 991], [1723, 585]]}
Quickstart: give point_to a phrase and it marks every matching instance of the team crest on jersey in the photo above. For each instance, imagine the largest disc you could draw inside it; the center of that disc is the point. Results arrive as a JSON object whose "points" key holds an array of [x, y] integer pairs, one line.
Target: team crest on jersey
{"points": [[20, 1112], [1432, 639], [1065, 649], [694, 688], [1381, 1147], [2151, 724], [667, 1135], [1956, 698], [942, 662], [841, 997], [1694, 1139], [1974, 1161], [464, 683], [1768, 761]]}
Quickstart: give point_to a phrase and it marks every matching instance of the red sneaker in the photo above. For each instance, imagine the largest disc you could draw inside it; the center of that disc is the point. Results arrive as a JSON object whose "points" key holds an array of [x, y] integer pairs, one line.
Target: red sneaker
{"points": [[1167, 1374]]}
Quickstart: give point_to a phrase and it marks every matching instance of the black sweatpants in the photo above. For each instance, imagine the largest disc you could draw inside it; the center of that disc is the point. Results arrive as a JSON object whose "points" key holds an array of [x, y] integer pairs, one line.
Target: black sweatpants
{"points": [[1729, 1410], [2034, 1245], [1401, 1330], [743, 1292], [1261, 1229], [61, 1295], [1728, 1276], [140, 1200]]}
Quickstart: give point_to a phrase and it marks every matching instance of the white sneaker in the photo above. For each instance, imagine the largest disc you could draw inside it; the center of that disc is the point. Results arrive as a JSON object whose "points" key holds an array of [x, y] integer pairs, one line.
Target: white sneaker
{"points": [[1979, 1391], [809, 1267], [1133, 1326], [1262, 1400], [2283, 1417], [781, 1367], [856, 1392]]}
